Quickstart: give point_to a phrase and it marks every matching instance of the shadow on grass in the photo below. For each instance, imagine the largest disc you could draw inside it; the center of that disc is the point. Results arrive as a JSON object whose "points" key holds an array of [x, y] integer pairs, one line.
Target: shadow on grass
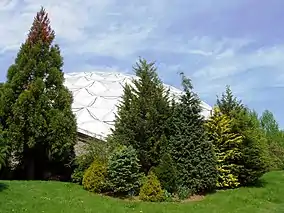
{"points": [[3, 187], [258, 184]]}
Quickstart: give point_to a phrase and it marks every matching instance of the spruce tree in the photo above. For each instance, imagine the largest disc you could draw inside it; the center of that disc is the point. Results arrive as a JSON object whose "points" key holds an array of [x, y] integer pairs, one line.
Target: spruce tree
{"points": [[39, 124], [143, 114], [124, 171], [228, 103], [189, 146]]}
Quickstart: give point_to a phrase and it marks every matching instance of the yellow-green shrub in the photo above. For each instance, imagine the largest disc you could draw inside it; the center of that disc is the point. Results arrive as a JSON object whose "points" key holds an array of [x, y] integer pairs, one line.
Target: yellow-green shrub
{"points": [[151, 190], [94, 179], [227, 149], [89, 151], [226, 179]]}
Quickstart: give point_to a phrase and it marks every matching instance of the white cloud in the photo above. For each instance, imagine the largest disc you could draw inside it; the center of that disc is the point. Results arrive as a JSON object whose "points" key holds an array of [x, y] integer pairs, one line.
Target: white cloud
{"points": [[93, 26], [230, 62], [108, 27], [122, 30], [232, 67]]}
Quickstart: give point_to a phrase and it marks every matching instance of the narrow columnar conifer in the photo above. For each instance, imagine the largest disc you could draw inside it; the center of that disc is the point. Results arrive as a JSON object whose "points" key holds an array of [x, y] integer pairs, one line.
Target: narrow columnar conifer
{"points": [[35, 105], [189, 146]]}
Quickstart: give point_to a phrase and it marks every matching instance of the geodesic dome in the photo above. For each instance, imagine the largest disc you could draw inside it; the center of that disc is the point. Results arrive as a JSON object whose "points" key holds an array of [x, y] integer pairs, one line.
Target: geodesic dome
{"points": [[95, 99]]}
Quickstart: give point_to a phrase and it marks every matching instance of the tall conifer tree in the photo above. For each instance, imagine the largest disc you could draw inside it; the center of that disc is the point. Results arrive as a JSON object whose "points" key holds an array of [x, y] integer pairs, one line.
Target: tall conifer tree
{"points": [[189, 146], [36, 107], [143, 114]]}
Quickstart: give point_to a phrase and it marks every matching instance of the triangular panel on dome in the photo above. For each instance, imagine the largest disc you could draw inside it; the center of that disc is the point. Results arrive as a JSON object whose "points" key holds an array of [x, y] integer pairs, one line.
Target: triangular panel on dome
{"points": [[96, 96]]}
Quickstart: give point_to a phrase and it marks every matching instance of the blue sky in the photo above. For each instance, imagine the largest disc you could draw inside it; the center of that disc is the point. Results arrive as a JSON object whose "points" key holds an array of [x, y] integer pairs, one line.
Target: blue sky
{"points": [[215, 42]]}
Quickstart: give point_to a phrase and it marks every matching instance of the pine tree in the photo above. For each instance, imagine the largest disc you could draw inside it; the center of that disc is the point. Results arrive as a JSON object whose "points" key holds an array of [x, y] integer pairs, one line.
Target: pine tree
{"points": [[227, 147], [36, 107], [189, 146], [142, 115]]}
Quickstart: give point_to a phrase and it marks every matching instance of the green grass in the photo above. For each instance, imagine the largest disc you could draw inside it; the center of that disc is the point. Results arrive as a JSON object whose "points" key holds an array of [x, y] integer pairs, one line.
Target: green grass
{"points": [[56, 197]]}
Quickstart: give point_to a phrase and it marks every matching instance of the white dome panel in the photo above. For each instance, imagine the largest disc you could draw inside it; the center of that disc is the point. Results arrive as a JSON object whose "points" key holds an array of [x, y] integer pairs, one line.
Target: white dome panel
{"points": [[96, 96]]}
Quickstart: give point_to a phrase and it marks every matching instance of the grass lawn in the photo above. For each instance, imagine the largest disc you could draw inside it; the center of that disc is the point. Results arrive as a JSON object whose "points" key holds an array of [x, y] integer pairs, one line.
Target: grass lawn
{"points": [[57, 197]]}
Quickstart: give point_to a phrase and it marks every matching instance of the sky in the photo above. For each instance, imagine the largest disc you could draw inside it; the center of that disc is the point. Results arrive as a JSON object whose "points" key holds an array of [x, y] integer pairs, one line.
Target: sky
{"points": [[214, 42]]}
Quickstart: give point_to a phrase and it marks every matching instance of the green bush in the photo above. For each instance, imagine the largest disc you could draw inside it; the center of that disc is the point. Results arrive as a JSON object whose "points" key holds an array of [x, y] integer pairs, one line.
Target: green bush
{"points": [[91, 150], [183, 192], [77, 175], [276, 152], [83, 162], [168, 197], [151, 190], [94, 179], [166, 173], [123, 171]]}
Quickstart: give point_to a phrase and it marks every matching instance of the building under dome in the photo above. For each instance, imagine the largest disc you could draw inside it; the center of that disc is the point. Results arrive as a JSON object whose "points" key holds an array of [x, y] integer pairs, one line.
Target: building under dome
{"points": [[96, 95]]}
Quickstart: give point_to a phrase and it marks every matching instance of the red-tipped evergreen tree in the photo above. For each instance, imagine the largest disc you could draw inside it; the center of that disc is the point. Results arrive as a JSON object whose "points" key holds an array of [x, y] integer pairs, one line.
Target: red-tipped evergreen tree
{"points": [[38, 122]]}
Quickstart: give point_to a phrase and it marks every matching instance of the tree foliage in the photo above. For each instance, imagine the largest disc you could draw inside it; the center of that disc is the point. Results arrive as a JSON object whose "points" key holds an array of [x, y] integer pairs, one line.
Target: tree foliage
{"points": [[94, 179], [143, 114], [91, 150], [245, 122], [275, 138], [151, 190], [39, 125], [124, 171], [228, 103], [167, 173], [227, 146], [189, 146], [3, 152]]}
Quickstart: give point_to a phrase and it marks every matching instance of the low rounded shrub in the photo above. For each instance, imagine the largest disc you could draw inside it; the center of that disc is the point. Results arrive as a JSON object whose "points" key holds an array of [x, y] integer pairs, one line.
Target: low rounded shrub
{"points": [[183, 192], [77, 175], [123, 171], [88, 152], [94, 179], [152, 190]]}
